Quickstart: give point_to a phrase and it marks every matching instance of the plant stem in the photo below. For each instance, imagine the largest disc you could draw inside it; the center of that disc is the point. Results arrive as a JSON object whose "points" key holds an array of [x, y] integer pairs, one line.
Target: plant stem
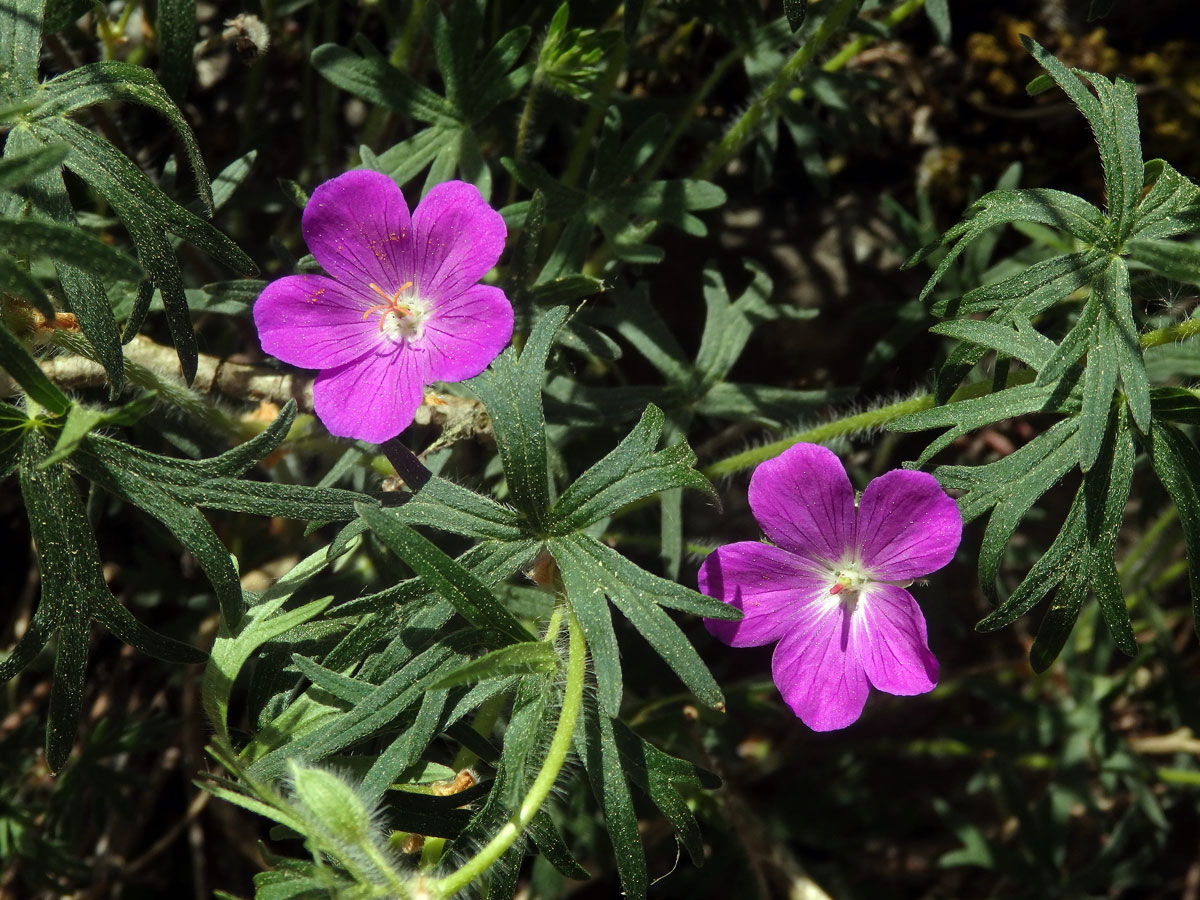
{"points": [[744, 128], [560, 745], [872, 418], [877, 418], [1171, 334], [595, 116]]}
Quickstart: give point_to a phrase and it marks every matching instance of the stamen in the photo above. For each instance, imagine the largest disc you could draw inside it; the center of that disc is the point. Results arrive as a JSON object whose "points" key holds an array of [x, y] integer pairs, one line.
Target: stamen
{"points": [[392, 304], [837, 588]]}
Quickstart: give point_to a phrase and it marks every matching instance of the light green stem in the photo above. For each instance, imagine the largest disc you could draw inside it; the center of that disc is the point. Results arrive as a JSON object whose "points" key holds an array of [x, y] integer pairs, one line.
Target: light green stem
{"points": [[560, 745], [744, 128], [883, 415], [1171, 334], [872, 418]]}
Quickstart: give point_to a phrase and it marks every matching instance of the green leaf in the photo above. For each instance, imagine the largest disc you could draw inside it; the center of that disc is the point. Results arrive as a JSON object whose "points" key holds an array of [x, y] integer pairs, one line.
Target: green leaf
{"points": [[596, 744], [1112, 292], [1176, 405], [231, 177], [965, 416], [728, 325], [1170, 207], [113, 80], [450, 507], [1010, 487], [594, 568], [1080, 560], [375, 80], [795, 11], [1028, 346], [15, 280], [184, 521], [1047, 207], [1177, 462], [1177, 261], [528, 658], [13, 423], [85, 292], [1099, 382], [62, 242], [73, 592], [1034, 289], [97, 162], [17, 168], [176, 37], [631, 471], [400, 692], [587, 599], [511, 390], [20, 45], [1112, 113], [473, 600], [938, 13], [29, 375], [262, 622], [81, 420]]}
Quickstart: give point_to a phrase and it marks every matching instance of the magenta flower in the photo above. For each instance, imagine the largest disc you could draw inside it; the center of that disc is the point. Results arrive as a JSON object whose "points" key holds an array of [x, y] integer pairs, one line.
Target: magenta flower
{"points": [[831, 590], [403, 307]]}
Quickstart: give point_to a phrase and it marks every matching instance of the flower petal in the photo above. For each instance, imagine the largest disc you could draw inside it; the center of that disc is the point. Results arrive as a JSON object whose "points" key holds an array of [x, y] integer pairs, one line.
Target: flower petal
{"points": [[314, 322], [466, 332], [457, 240], [358, 228], [889, 633], [372, 399], [907, 526], [804, 502], [767, 584], [818, 671]]}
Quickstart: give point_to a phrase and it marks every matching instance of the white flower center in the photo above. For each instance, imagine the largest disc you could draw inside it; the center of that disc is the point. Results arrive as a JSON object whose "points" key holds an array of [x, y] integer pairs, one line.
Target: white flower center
{"points": [[848, 579], [401, 318]]}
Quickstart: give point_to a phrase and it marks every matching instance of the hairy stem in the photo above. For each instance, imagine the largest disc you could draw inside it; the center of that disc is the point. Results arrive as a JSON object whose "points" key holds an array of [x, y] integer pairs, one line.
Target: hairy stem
{"points": [[746, 126], [872, 418], [560, 745]]}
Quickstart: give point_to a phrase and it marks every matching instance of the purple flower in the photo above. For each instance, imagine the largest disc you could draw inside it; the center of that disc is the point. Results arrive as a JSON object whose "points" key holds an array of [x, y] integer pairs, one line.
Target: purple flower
{"points": [[831, 590], [402, 309]]}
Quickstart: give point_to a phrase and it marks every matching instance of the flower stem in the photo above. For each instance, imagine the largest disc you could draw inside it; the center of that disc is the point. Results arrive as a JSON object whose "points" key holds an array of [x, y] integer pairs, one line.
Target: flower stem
{"points": [[1171, 334], [872, 418], [560, 745], [746, 126], [877, 418]]}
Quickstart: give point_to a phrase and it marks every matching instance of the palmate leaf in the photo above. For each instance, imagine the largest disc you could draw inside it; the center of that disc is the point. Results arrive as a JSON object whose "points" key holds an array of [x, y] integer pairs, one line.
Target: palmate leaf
{"points": [[964, 416], [1080, 560], [617, 759], [613, 193], [473, 600], [1009, 487], [148, 215], [511, 390], [84, 291], [112, 80], [474, 87], [633, 470], [1112, 113], [73, 594]]}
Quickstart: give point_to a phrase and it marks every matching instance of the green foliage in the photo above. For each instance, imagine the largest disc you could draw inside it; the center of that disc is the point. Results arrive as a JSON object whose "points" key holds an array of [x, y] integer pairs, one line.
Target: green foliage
{"points": [[1094, 374]]}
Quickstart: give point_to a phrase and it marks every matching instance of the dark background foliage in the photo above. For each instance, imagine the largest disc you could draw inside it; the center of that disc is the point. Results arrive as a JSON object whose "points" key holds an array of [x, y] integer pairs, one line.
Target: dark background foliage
{"points": [[1081, 782]]}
